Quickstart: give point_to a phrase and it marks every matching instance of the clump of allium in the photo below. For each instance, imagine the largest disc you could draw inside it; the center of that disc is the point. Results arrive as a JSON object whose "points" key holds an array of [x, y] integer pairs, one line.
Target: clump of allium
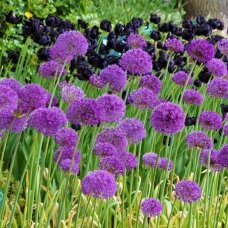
{"points": [[174, 45], [12, 83], [66, 137], [201, 50], [165, 163], [210, 120], [133, 129], [63, 153], [104, 149], [113, 106], [223, 156], [47, 120], [98, 82], [217, 67], [85, 111], [150, 159], [213, 164], [223, 46], [181, 78], [67, 165], [99, 184], [151, 82], [114, 76], [187, 191], [51, 69], [168, 118], [218, 87], [136, 61], [143, 98], [192, 96], [130, 160], [199, 139], [136, 41], [68, 45], [151, 207]]}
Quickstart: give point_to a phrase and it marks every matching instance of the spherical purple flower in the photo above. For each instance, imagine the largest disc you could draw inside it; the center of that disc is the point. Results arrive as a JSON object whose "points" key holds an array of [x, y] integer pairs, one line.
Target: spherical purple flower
{"points": [[218, 87], [86, 111], [217, 67], [136, 41], [199, 139], [63, 153], [104, 149], [99, 184], [68, 45], [181, 78], [150, 159], [136, 61], [47, 120], [201, 50], [210, 120], [174, 45], [225, 130], [192, 96], [113, 106], [67, 165], [151, 207], [114, 76], [12, 83], [66, 137], [168, 118], [98, 82], [163, 163], [223, 156], [187, 191], [223, 46], [133, 129], [51, 69], [151, 82], [130, 160], [143, 98]]}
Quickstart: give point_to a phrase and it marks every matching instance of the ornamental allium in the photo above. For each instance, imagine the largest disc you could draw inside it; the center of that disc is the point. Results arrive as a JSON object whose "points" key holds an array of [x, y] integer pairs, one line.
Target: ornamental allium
{"points": [[68, 45], [136, 41], [143, 98], [201, 50], [151, 207], [174, 45], [51, 69], [97, 81], [133, 129], [130, 160], [104, 149], [217, 67], [199, 139], [47, 120], [113, 106], [150, 159], [168, 118], [63, 153], [165, 163], [223, 46], [66, 137], [67, 165], [85, 111], [223, 156], [99, 184], [12, 83], [210, 120], [187, 191], [218, 87], [136, 61], [151, 82], [192, 96], [181, 78]]}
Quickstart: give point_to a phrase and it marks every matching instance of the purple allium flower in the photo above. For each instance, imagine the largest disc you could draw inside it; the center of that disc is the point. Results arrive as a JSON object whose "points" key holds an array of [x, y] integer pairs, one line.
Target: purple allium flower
{"points": [[12, 83], [201, 50], [99, 184], [223, 46], [51, 69], [86, 111], [210, 120], [192, 96], [218, 87], [199, 139], [68, 45], [113, 106], [223, 156], [225, 129], [104, 149], [136, 41], [97, 81], [164, 162], [67, 165], [151, 82], [66, 137], [133, 129], [47, 120], [174, 45], [136, 61], [130, 160], [168, 118], [214, 164], [150, 159], [143, 98], [114, 76], [63, 153], [187, 191], [113, 165], [151, 207], [217, 67], [181, 78]]}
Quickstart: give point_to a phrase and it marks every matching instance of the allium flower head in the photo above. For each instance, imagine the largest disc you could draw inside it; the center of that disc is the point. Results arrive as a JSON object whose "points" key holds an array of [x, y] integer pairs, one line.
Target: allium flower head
{"points": [[192, 96], [98, 82], [151, 207], [130, 160], [51, 69], [210, 120], [66, 137], [63, 153], [218, 87], [223, 156], [181, 78], [104, 149], [136, 41], [150, 159], [99, 184], [164, 163], [151, 82], [67, 165], [168, 118], [136, 61], [12, 83], [217, 67], [223, 46], [47, 120], [174, 45], [201, 50], [187, 191]]}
